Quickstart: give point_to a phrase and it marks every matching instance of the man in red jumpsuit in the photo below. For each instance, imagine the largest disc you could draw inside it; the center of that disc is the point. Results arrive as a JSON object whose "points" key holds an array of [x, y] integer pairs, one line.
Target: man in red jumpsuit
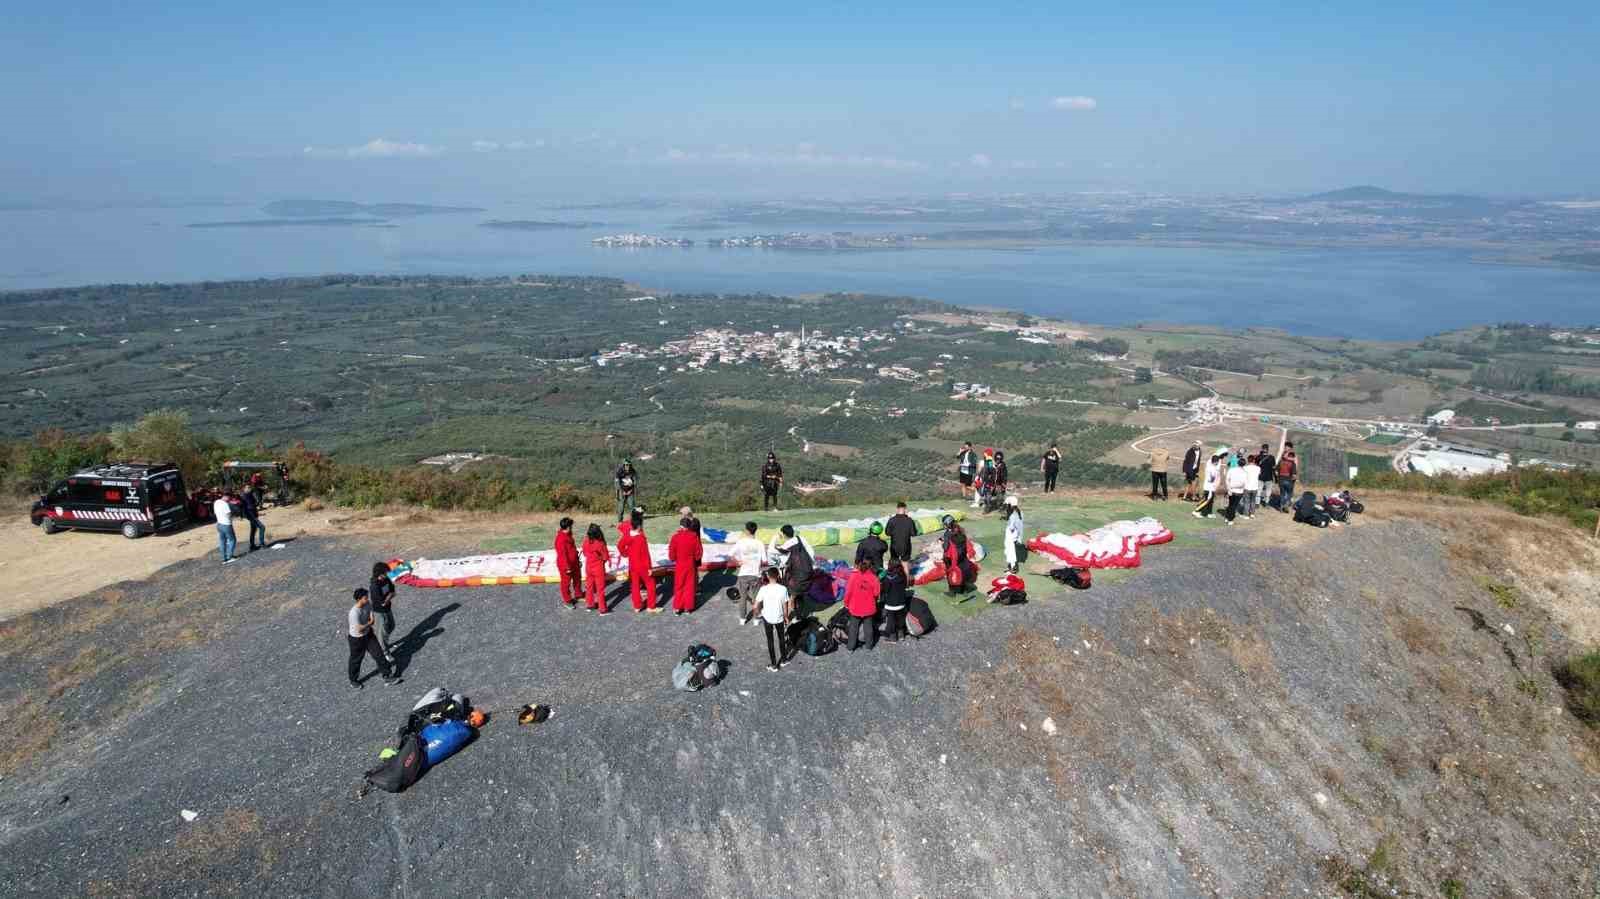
{"points": [[568, 568], [685, 552], [635, 547]]}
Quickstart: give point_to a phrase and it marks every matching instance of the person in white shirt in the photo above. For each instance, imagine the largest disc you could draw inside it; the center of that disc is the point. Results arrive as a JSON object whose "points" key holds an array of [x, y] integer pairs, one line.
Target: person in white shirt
{"points": [[775, 607], [779, 545], [358, 631], [1014, 530], [1235, 487], [1210, 485], [222, 510], [1252, 486], [752, 558]]}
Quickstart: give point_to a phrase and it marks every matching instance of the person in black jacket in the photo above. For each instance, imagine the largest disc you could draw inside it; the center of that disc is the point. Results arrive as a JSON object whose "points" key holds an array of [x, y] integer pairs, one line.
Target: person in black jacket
{"points": [[771, 482], [901, 528], [894, 601], [250, 504], [380, 593], [1308, 511], [1191, 472], [873, 549], [799, 567], [1051, 466], [1269, 473], [627, 489]]}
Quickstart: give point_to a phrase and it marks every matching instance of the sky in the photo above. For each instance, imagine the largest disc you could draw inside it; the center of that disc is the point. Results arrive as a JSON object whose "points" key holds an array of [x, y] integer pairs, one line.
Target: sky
{"points": [[181, 101]]}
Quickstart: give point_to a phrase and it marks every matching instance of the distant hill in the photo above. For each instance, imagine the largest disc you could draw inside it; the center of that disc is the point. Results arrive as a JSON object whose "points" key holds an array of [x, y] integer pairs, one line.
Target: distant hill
{"points": [[1367, 193], [524, 225], [330, 208]]}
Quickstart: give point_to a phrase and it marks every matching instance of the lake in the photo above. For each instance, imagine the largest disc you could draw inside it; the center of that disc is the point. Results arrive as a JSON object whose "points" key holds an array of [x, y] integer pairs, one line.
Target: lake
{"points": [[1358, 293]]}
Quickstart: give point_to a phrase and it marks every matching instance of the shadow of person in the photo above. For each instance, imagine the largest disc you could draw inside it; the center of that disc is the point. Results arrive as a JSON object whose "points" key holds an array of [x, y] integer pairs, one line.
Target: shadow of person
{"points": [[415, 639]]}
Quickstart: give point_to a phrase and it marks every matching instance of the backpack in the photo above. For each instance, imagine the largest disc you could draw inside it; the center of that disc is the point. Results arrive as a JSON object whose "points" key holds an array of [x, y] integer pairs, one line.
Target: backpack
{"points": [[919, 618], [1008, 591], [440, 741], [1076, 578], [811, 638], [435, 706], [401, 766], [699, 669], [1286, 468], [837, 629]]}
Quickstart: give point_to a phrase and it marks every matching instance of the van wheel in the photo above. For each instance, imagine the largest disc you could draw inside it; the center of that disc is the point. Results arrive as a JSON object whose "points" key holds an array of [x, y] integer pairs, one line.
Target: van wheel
{"points": [[49, 525], [131, 530]]}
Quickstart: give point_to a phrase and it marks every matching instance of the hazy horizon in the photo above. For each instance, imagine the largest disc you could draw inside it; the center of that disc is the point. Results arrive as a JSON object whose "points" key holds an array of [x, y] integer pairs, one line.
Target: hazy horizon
{"points": [[179, 103]]}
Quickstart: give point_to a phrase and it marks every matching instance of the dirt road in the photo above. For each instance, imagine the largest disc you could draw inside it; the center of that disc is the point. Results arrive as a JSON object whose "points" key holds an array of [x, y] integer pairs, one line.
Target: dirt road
{"points": [[39, 569]]}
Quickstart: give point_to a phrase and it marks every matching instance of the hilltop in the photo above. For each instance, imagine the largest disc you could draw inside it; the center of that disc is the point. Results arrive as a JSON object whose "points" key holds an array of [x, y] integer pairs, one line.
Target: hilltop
{"points": [[1259, 710]]}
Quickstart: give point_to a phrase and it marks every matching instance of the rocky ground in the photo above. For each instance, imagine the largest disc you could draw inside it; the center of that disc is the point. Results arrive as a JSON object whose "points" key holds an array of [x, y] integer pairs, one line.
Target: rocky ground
{"points": [[1260, 711]]}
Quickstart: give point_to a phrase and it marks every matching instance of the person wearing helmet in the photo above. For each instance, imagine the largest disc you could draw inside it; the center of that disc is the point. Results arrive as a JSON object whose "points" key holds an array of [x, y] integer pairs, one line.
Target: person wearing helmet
{"points": [[1015, 549], [771, 482], [1192, 464], [873, 549], [959, 570], [984, 482]]}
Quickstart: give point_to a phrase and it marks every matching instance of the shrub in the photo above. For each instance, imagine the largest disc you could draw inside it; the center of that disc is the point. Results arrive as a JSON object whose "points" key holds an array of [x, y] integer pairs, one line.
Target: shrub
{"points": [[1580, 675]]}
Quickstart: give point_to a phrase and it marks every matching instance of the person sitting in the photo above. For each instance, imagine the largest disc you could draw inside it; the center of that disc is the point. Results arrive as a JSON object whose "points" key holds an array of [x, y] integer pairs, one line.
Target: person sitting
{"points": [[1308, 511], [861, 601]]}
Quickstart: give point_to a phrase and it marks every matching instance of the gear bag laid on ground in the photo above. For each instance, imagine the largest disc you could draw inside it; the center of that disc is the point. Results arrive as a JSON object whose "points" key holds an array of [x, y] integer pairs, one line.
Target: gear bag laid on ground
{"points": [[401, 766], [1008, 590], [1076, 578], [440, 741], [1336, 507], [810, 637], [699, 669], [919, 618], [438, 705], [837, 628]]}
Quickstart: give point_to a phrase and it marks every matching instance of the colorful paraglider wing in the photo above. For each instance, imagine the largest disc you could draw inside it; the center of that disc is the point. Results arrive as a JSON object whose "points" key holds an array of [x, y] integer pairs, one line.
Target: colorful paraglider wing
{"points": [[505, 569], [928, 567]]}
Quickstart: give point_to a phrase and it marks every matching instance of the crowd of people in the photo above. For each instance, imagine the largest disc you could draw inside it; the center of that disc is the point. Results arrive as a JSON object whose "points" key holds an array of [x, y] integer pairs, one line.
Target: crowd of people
{"points": [[1240, 480]]}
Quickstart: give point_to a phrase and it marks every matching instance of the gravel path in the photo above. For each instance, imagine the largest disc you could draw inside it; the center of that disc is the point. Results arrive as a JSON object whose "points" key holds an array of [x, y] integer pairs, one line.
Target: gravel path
{"points": [[1223, 723]]}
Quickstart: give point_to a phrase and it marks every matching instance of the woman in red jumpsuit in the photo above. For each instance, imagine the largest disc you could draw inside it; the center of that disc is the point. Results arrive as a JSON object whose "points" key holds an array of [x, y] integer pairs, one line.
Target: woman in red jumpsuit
{"points": [[635, 548], [568, 568], [685, 552], [596, 555]]}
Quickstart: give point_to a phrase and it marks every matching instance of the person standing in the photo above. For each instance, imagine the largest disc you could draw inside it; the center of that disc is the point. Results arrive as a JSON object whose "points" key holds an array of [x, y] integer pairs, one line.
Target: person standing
{"points": [[380, 593], [250, 508], [1269, 467], [627, 489], [1234, 482], [1051, 466], [694, 522], [800, 565], [873, 549], [1210, 484], [894, 601], [775, 607], [1160, 457], [685, 552], [1191, 471], [569, 568], [752, 558], [1252, 485], [861, 601], [901, 527], [1288, 470], [966, 469], [771, 482], [634, 547], [596, 556], [1002, 474], [1015, 548], [359, 633], [222, 511]]}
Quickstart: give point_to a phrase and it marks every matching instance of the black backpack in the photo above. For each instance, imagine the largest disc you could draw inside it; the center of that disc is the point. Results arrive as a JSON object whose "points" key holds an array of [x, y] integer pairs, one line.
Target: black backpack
{"points": [[1076, 578], [837, 627], [811, 638], [401, 770], [1009, 597], [919, 618]]}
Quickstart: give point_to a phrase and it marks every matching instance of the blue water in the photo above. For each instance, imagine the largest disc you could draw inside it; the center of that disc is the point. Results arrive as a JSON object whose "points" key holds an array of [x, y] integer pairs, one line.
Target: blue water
{"points": [[1365, 293]]}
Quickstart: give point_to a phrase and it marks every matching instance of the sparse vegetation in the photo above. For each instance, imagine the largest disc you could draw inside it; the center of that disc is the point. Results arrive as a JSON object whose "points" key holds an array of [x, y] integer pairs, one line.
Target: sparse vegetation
{"points": [[1580, 676]]}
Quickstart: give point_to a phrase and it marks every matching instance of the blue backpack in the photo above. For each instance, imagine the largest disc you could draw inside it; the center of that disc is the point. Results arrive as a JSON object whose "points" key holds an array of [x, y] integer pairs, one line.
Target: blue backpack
{"points": [[440, 741]]}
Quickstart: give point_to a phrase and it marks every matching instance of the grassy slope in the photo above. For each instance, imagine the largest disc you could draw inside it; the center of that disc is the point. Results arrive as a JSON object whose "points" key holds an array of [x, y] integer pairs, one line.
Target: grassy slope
{"points": [[1071, 514]]}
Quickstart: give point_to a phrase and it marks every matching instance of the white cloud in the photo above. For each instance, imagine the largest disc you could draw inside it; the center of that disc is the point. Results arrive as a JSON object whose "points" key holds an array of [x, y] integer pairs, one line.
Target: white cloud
{"points": [[981, 160], [1075, 103], [495, 146], [804, 155], [376, 148]]}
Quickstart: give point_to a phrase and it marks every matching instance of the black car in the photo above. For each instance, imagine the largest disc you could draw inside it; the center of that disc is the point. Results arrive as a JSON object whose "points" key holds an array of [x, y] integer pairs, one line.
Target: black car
{"points": [[135, 498]]}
